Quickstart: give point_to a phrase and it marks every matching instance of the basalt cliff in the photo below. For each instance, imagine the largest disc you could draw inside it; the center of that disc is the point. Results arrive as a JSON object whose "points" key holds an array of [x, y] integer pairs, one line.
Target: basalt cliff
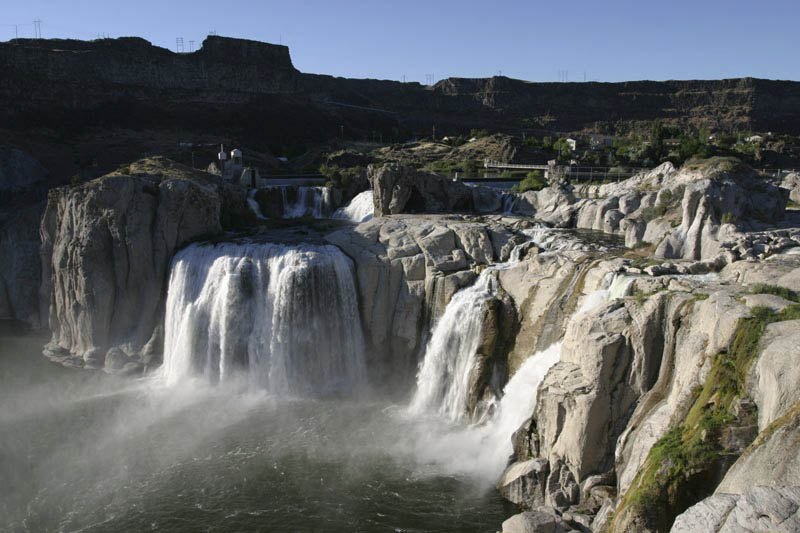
{"points": [[252, 88]]}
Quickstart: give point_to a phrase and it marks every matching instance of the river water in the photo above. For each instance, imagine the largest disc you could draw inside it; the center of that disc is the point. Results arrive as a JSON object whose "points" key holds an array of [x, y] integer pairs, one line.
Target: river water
{"points": [[83, 451]]}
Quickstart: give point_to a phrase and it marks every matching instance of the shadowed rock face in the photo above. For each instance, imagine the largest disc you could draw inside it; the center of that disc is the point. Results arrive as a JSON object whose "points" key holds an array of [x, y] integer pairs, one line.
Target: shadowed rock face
{"points": [[246, 84], [19, 265], [402, 189]]}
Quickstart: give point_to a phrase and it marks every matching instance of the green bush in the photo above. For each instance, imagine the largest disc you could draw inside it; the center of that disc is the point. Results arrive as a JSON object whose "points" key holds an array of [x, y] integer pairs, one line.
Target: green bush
{"points": [[470, 167], [534, 181]]}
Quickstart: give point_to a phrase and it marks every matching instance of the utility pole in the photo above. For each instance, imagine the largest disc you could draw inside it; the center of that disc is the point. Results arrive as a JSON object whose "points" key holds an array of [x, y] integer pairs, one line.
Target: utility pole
{"points": [[16, 31]]}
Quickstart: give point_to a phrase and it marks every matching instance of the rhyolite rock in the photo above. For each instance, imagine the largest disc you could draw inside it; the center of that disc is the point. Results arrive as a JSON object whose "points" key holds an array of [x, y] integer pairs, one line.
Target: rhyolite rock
{"points": [[403, 189], [540, 520], [761, 508], [106, 249]]}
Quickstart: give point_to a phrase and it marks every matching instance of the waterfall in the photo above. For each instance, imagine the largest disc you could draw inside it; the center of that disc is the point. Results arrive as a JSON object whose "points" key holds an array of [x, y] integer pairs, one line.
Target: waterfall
{"points": [[443, 380], [253, 204], [509, 199], [284, 316], [359, 209], [481, 449], [308, 202]]}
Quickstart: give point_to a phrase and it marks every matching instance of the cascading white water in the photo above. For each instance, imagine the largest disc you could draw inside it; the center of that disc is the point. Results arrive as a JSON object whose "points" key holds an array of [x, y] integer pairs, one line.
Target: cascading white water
{"points": [[360, 208], [444, 378], [509, 199], [253, 204], [287, 316], [309, 202], [481, 449]]}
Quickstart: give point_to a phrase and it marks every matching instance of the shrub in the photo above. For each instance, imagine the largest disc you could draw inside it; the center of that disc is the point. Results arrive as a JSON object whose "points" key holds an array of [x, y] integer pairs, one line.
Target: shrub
{"points": [[470, 167], [534, 181]]}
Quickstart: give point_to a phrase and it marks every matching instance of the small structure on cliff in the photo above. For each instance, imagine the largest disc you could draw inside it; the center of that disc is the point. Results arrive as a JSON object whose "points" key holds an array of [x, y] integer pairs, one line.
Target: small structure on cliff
{"points": [[233, 169]]}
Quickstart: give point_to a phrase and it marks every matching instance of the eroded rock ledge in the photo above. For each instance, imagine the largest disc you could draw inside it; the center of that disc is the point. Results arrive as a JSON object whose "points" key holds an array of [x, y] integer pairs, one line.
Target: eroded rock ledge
{"points": [[698, 212]]}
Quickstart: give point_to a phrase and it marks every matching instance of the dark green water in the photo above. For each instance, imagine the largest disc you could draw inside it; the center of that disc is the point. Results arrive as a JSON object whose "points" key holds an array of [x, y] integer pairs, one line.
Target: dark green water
{"points": [[82, 451]]}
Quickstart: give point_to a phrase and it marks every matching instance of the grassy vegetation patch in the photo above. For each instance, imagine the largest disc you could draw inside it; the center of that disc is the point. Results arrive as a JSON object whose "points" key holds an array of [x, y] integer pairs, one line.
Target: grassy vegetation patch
{"points": [[687, 463], [783, 292], [533, 181], [716, 164]]}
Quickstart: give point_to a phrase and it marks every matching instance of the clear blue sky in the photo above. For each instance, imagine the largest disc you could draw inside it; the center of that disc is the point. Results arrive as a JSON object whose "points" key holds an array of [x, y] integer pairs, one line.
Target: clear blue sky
{"points": [[608, 40]]}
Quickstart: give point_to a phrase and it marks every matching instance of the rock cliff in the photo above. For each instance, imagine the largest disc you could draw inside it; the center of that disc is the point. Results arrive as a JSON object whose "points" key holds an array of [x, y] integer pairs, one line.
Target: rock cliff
{"points": [[246, 84], [636, 371], [106, 249]]}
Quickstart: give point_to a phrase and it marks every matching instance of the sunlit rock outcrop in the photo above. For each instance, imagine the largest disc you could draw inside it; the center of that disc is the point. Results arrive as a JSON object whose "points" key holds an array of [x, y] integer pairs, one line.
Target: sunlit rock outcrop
{"points": [[106, 249]]}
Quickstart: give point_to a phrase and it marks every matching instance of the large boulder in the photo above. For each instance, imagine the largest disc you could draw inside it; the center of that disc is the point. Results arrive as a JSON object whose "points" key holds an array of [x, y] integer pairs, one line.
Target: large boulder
{"points": [[404, 189], [106, 250], [791, 182], [610, 356], [761, 508], [540, 520]]}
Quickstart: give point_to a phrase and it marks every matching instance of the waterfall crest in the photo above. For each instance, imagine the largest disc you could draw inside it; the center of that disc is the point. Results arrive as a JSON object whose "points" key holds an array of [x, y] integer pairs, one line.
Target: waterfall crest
{"points": [[306, 202], [285, 316], [360, 208]]}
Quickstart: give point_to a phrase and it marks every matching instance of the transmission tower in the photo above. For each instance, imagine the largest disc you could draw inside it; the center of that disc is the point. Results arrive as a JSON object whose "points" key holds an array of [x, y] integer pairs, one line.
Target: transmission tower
{"points": [[37, 28], [191, 46], [179, 45]]}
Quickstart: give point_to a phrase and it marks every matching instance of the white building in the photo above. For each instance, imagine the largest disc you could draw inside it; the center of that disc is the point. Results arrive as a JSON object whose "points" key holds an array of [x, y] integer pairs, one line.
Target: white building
{"points": [[232, 168]]}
